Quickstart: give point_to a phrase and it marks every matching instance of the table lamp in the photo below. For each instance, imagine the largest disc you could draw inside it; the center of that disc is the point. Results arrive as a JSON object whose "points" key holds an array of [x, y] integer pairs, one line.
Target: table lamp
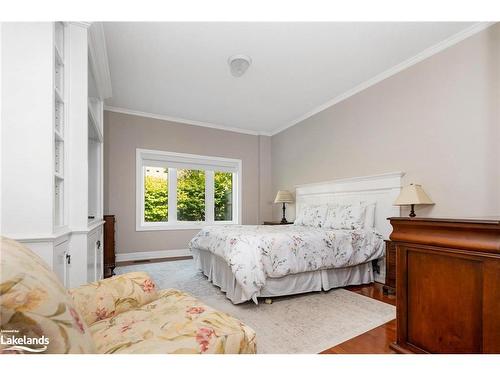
{"points": [[411, 195], [284, 196]]}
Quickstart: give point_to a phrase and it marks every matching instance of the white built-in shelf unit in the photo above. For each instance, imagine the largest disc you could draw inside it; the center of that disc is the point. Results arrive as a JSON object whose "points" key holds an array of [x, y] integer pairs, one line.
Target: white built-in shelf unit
{"points": [[59, 123]]}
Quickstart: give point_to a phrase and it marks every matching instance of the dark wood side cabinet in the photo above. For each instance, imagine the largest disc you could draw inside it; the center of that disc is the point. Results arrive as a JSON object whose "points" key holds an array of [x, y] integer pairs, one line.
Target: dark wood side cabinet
{"points": [[109, 245], [390, 268], [448, 285]]}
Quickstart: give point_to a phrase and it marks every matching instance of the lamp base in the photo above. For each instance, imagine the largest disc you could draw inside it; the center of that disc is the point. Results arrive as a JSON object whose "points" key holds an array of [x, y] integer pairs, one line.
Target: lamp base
{"points": [[412, 211], [283, 219]]}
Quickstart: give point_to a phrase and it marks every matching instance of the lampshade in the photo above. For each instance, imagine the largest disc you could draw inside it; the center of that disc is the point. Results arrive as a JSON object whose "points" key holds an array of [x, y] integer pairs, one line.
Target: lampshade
{"points": [[412, 194], [283, 196]]}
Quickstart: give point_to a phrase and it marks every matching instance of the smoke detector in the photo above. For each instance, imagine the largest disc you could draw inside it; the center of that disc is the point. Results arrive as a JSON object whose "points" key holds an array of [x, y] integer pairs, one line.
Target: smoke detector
{"points": [[239, 64]]}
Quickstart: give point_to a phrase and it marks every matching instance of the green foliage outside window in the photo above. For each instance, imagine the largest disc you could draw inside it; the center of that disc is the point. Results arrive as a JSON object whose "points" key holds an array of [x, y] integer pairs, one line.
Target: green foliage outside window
{"points": [[190, 196], [155, 198], [223, 191]]}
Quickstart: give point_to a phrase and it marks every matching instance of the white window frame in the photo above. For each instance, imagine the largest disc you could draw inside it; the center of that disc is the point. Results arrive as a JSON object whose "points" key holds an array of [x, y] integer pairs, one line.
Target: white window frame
{"points": [[210, 164]]}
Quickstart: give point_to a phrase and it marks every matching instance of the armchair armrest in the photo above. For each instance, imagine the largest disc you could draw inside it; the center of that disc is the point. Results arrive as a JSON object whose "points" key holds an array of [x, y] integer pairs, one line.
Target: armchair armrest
{"points": [[106, 298]]}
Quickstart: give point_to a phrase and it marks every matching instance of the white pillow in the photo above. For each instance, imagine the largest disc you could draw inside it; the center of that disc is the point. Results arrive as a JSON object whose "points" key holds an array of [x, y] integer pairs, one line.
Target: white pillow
{"points": [[370, 216], [311, 215], [346, 216]]}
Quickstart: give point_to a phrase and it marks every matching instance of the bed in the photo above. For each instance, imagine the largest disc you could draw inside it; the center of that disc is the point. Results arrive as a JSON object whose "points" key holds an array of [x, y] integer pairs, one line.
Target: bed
{"points": [[252, 261]]}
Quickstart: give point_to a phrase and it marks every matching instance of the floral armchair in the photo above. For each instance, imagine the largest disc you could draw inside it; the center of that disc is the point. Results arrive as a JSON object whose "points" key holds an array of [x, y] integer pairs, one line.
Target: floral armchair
{"points": [[123, 314]]}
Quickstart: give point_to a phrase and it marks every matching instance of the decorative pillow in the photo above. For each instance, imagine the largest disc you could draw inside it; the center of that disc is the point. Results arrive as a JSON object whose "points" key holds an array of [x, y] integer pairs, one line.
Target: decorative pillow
{"points": [[346, 216], [299, 219], [109, 297], [311, 215], [34, 304]]}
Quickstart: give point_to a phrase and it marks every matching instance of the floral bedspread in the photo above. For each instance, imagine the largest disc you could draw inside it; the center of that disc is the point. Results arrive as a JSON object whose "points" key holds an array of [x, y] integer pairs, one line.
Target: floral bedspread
{"points": [[257, 252]]}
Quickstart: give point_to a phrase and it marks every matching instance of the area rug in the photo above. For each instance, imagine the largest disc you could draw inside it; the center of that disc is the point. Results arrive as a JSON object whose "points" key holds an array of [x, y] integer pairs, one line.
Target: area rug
{"points": [[303, 324]]}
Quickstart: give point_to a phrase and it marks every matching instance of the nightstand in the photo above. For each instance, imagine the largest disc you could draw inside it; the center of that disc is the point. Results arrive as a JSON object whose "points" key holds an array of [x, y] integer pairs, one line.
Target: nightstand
{"points": [[390, 268], [277, 223]]}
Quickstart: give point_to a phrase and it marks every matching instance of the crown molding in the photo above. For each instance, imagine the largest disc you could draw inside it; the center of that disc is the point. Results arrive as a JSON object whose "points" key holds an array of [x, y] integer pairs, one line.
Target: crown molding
{"points": [[98, 56], [425, 54], [183, 121]]}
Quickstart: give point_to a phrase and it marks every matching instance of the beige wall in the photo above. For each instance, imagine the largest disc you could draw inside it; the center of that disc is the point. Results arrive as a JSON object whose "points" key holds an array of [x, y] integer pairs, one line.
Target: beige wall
{"points": [[438, 121], [124, 133], [265, 178]]}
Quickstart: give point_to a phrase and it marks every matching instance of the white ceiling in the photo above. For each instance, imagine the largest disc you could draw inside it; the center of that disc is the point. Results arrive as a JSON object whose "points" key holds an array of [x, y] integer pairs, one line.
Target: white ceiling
{"points": [[180, 71]]}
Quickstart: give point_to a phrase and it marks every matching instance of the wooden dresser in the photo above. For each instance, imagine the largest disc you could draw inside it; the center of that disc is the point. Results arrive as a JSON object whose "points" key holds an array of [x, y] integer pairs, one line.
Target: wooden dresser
{"points": [[448, 285], [390, 268], [109, 245]]}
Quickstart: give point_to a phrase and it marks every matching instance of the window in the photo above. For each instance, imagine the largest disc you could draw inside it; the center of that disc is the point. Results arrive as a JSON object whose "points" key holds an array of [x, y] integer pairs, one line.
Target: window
{"points": [[155, 194], [184, 191], [190, 195], [223, 196]]}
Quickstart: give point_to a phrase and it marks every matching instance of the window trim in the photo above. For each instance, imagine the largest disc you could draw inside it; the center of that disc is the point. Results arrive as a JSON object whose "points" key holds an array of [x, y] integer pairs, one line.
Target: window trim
{"points": [[157, 156]]}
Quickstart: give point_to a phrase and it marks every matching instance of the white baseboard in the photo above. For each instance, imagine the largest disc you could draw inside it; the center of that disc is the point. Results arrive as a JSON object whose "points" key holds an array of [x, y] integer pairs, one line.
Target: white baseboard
{"points": [[158, 254]]}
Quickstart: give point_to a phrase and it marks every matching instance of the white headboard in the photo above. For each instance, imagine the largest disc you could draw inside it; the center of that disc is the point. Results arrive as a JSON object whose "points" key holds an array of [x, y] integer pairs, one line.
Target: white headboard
{"points": [[382, 189]]}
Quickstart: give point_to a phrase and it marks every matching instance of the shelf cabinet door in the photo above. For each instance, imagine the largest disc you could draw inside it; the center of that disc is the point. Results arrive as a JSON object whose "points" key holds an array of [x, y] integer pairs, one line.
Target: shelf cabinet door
{"points": [[91, 256], [95, 255], [61, 262], [99, 255]]}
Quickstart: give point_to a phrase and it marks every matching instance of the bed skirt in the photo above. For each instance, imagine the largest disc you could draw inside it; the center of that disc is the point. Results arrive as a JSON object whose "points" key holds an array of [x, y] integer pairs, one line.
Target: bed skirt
{"points": [[220, 274]]}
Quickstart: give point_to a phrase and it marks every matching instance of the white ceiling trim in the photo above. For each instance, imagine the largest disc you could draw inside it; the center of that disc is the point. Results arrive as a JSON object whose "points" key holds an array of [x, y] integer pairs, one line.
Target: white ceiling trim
{"points": [[183, 121], [454, 39], [98, 57]]}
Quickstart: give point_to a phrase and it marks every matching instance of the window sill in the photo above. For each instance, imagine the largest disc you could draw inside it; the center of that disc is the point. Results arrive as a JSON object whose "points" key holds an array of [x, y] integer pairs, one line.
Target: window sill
{"points": [[190, 226]]}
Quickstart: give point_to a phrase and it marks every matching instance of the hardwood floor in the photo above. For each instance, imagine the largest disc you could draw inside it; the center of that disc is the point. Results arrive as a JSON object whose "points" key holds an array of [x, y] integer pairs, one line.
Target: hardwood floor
{"points": [[373, 291], [375, 341]]}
